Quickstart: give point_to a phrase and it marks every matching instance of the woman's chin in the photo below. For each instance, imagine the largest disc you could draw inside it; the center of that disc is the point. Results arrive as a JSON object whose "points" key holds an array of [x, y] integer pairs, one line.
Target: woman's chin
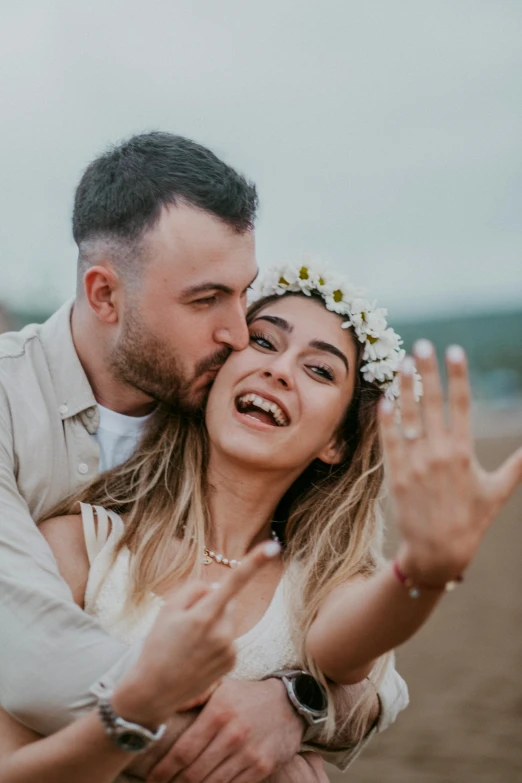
{"points": [[249, 448]]}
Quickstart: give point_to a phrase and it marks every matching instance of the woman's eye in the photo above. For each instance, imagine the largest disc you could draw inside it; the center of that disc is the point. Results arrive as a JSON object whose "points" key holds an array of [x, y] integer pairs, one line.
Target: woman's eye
{"points": [[323, 371], [262, 340]]}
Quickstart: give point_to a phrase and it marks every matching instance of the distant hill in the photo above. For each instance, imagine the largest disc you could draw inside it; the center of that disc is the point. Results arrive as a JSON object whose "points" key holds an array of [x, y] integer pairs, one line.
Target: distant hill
{"points": [[493, 342]]}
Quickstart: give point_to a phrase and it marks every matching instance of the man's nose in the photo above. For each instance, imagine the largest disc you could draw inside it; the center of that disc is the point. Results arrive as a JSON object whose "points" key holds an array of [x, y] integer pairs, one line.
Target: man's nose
{"points": [[234, 332]]}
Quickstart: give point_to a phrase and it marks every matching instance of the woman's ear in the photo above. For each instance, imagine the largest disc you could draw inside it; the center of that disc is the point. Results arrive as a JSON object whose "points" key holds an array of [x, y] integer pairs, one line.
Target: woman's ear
{"points": [[333, 452]]}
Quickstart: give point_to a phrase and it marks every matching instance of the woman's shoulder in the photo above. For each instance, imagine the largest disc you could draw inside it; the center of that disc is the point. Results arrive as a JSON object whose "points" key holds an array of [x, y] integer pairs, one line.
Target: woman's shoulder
{"points": [[66, 538]]}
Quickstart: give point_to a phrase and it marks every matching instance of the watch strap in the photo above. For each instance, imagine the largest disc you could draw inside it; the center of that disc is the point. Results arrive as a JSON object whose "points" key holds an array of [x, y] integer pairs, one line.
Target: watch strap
{"points": [[117, 728]]}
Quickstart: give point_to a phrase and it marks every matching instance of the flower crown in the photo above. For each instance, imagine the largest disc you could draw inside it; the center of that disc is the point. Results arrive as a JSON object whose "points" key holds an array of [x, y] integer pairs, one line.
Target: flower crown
{"points": [[382, 354]]}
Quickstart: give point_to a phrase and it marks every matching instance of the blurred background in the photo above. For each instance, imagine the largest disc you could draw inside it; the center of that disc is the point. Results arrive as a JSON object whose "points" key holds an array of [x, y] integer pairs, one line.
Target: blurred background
{"points": [[383, 137]]}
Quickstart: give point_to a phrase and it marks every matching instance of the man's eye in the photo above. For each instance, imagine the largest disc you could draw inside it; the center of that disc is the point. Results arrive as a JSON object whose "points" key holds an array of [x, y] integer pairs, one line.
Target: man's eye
{"points": [[206, 300], [262, 340]]}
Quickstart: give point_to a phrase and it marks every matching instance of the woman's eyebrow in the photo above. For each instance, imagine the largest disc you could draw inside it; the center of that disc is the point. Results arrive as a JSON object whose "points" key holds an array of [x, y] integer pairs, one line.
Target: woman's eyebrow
{"points": [[274, 319], [322, 346]]}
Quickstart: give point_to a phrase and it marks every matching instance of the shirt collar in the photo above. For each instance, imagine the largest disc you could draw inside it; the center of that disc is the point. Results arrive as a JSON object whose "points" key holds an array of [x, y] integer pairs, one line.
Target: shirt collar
{"points": [[73, 391]]}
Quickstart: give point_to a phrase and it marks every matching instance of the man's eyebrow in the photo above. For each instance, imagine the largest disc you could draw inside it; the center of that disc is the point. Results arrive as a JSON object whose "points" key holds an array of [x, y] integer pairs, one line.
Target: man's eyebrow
{"points": [[322, 346], [208, 285], [202, 288], [279, 322]]}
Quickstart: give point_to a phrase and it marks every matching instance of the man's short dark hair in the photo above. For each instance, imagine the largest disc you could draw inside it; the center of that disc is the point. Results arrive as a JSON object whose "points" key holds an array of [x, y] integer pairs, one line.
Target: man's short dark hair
{"points": [[122, 193]]}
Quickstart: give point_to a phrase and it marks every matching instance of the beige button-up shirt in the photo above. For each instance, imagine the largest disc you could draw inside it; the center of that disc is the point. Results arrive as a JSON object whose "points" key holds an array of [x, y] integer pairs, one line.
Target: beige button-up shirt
{"points": [[52, 654]]}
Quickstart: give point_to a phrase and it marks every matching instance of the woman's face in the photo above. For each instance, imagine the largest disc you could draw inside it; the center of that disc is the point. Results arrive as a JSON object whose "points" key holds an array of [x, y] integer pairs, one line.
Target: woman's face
{"points": [[278, 404]]}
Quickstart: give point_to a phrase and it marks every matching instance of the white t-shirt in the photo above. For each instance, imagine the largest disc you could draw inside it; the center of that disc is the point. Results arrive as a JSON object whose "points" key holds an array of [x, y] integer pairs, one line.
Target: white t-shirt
{"points": [[117, 436]]}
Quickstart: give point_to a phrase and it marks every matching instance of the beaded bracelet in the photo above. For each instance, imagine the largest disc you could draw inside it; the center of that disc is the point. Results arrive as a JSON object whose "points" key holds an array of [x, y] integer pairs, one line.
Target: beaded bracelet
{"points": [[414, 590]]}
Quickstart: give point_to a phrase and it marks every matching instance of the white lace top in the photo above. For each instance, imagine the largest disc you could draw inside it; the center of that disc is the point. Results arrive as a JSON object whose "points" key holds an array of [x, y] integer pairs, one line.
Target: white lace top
{"points": [[265, 648]]}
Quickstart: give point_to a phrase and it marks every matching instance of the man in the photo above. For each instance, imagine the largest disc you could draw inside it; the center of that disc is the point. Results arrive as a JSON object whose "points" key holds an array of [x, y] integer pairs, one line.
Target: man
{"points": [[166, 255]]}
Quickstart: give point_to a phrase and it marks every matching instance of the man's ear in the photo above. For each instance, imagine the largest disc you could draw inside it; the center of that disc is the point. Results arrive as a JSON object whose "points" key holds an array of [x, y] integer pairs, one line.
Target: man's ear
{"points": [[333, 452], [102, 288]]}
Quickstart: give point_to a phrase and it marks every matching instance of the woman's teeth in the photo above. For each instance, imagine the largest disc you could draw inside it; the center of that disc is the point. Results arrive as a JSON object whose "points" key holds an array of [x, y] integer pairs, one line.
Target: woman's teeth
{"points": [[255, 401]]}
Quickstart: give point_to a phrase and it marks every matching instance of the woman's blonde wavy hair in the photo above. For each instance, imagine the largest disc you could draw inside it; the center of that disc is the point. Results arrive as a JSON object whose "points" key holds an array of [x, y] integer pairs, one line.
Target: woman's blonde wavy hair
{"points": [[329, 519]]}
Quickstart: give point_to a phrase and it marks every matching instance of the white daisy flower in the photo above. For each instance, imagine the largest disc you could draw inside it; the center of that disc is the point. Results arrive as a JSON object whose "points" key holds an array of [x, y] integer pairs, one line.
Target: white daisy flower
{"points": [[339, 294], [359, 308], [386, 345], [376, 322], [380, 371]]}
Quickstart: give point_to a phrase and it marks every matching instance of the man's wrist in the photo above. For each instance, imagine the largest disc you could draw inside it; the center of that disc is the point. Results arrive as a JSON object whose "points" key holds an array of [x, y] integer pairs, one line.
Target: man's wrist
{"points": [[280, 692]]}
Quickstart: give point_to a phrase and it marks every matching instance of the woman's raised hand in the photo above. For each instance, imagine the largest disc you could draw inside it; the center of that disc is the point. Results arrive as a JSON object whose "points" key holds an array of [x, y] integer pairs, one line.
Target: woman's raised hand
{"points": [[190, 646], [444, 499]]}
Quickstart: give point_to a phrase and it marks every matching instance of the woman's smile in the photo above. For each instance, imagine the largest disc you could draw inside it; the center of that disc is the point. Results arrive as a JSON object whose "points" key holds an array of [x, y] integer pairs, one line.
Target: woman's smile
{"points": [[262, 407]]}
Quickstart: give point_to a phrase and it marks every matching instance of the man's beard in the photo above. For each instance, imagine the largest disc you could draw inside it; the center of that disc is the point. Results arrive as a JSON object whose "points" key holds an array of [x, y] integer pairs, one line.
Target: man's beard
{"points": [[147, 363]]}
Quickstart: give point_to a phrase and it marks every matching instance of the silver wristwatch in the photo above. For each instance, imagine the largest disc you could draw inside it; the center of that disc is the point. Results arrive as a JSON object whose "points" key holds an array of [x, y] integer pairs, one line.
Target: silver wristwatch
{"points": [[307, 696], [126, 735]]}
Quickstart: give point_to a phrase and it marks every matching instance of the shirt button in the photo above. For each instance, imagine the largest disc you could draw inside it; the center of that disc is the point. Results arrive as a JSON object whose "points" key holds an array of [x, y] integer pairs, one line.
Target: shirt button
{"points": [[83, 468], [63, 409], [90, 412]]}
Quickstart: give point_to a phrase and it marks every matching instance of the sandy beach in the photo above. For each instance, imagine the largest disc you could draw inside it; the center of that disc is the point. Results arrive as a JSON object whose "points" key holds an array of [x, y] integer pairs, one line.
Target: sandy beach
{"points": [[464, 671]]}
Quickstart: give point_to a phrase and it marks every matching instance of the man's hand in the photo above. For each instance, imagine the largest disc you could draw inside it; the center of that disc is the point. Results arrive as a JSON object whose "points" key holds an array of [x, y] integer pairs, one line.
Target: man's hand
{"points": [[305, 768], [245, 732], [143, 763]]}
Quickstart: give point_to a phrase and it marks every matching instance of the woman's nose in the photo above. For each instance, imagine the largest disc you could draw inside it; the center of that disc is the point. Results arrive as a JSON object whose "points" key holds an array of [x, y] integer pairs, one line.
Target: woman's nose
{"points": [[279, 375]]}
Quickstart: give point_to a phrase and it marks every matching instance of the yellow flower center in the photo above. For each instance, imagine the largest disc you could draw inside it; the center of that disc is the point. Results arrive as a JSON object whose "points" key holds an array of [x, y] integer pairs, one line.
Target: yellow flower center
{"points": [[282, 281], [303, 273], [337, 296]]}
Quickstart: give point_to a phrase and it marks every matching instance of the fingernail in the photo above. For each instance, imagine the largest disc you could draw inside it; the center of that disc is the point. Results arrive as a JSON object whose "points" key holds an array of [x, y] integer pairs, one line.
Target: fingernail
{"points": [[272, 549], [423, 349], [386, 405], [408, 366], [455, 354]]}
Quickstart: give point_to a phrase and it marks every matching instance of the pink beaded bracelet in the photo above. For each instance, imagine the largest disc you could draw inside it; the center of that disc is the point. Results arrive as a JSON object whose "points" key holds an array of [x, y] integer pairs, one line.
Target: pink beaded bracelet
{"points": [[414, 590]]}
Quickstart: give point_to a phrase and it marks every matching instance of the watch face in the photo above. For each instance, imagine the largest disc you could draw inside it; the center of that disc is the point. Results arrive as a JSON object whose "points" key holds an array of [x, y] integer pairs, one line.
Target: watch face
{"points": [[131, 741], [310, 693]]}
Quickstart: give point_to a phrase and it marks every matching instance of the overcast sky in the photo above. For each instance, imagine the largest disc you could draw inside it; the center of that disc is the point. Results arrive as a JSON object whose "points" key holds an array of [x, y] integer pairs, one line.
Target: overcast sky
{"points": [[383, 136]]}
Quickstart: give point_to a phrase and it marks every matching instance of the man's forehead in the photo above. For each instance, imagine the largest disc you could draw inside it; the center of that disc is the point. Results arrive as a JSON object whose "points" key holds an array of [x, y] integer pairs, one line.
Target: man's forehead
{"points": [[188, 229], [207, 255]]}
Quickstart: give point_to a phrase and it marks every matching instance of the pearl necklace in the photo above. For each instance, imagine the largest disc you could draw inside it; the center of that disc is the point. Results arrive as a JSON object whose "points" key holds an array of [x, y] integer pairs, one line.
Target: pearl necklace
{"points": [[209, 556]]}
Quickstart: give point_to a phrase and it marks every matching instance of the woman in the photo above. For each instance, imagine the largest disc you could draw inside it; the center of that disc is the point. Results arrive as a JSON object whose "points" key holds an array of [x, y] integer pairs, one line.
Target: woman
{"points": [[292, 425]]}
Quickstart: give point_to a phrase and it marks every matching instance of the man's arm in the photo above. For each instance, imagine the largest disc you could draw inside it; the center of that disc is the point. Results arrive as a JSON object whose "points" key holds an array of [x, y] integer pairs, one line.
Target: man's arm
{"points": [[51, 652], [249, 730], [245, 731], [389, 698]]}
